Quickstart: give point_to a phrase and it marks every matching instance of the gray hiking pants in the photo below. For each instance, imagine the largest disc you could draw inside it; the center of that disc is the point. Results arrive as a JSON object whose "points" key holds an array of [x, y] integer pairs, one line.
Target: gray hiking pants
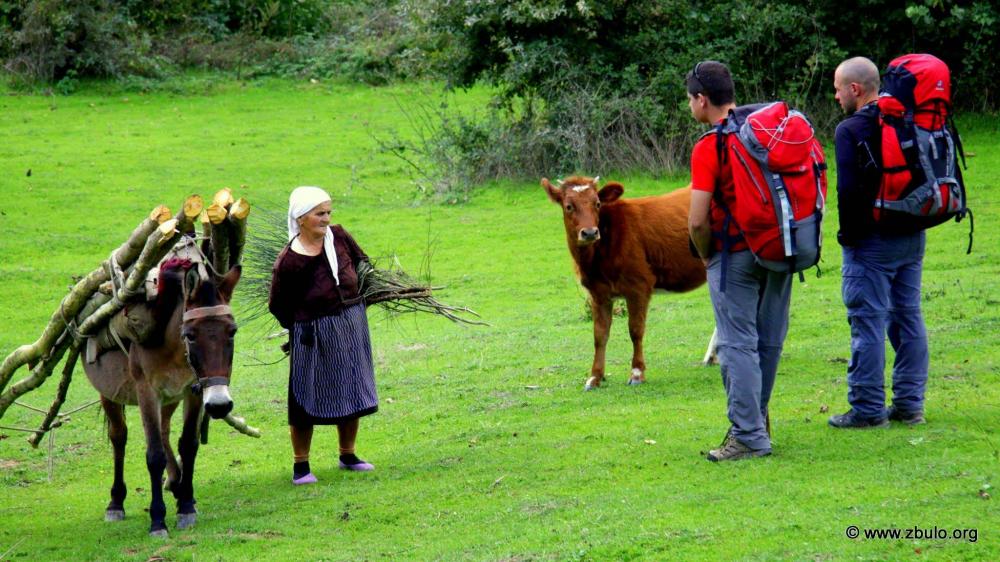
{"points": [[751, 316]]}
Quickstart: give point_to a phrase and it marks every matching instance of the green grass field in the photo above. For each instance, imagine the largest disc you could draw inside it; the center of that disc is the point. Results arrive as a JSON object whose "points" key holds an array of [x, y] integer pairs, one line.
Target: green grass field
{"points": [[486, 446]]}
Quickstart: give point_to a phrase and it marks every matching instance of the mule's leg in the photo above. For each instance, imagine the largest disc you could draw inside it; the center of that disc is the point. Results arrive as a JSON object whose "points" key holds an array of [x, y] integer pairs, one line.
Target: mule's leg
{"points": [[173, 470], [601, 308], [118, 434], [188, 448], [156, 457], [638, 305], [711, 354]]}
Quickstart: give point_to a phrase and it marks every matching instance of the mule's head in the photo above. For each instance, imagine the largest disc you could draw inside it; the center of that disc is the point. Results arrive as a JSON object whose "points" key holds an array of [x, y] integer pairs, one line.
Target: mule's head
{"points": [[208, 329], [581, 203]]}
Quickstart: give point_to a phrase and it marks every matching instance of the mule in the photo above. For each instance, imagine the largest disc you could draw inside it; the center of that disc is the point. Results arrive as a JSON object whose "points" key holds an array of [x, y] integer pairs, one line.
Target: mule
{"points": [[187, 358]]}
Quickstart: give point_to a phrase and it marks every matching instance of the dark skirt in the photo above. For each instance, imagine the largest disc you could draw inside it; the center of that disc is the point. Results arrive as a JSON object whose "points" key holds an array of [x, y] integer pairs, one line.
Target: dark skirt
{"points": [[332, 378]]}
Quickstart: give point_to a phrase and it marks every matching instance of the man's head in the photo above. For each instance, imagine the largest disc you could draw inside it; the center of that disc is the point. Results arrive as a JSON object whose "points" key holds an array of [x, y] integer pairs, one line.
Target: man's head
{"points": [[856, 83], [709, 82]]}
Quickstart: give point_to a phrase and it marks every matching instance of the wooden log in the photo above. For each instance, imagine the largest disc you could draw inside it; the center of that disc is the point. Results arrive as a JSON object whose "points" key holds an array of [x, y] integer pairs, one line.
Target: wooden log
{"points": [[71, 304], [50, 416], [39, 373], [157, 245], [160, 214], [192, 209], [223, 198], [217, 214], [240, 424], [238, 213]]}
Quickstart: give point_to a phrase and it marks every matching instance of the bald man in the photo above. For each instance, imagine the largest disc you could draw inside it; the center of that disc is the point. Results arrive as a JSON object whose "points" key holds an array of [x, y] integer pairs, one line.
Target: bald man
{"points": [[882, 268]]}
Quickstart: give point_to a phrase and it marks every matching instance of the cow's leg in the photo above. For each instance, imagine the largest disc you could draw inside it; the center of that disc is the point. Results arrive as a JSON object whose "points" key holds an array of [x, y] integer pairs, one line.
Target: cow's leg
{"points": [[173, 470], [118, 434], [601, 308], [712, 353], [638, 305], [156, 457], [188, 448]]}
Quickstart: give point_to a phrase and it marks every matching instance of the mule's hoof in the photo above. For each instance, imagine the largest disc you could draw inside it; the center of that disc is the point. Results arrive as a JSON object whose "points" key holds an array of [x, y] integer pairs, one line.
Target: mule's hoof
{"points": [[185, 520], [160, 533], [114, 515]]}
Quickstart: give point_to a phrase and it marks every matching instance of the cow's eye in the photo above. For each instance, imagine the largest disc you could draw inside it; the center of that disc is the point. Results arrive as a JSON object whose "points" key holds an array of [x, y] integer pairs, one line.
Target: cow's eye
{"points": [[569, 207], [598, 205]]}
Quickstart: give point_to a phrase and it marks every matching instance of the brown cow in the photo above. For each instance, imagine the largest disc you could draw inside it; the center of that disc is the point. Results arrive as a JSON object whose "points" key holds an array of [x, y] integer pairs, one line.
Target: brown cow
{"points": [[626, 248]]}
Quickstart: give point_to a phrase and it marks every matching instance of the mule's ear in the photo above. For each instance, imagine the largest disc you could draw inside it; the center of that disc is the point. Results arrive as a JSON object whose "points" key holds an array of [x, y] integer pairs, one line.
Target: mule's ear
{"points": [[229, 282], [191, 280], [610, 192], [555, 193]]}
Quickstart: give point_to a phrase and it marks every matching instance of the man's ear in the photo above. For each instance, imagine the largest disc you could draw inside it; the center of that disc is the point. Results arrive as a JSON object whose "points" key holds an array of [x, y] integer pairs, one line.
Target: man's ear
{"points": [[610, 192], [555, 193]]}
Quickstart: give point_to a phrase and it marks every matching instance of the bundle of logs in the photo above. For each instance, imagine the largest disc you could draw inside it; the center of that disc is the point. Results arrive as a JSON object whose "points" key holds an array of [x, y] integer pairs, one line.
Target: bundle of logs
{"points": [[98, 297]]}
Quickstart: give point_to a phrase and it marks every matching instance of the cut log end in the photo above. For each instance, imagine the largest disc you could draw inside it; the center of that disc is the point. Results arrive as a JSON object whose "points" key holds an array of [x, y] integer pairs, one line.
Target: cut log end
{"points": [[223, 197], [160, 214], [167, 229], [240, 209], [193, 206], [216, 213]]}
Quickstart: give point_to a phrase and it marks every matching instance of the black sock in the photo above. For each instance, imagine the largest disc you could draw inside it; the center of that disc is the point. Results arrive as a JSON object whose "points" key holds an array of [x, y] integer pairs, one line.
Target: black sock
{"points": [[300, 469], [350, 458]]}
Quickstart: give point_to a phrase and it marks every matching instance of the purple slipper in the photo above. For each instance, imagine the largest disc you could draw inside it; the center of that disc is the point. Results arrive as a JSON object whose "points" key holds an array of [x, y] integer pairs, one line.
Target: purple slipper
{"points": [[307, 479], [358, 467]]}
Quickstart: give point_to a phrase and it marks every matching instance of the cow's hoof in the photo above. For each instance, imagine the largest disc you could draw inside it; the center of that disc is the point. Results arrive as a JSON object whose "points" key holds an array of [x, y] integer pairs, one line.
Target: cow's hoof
{"points": [[592, 383], [636, 378], [185, 520], [114, 515], [159, 533]]}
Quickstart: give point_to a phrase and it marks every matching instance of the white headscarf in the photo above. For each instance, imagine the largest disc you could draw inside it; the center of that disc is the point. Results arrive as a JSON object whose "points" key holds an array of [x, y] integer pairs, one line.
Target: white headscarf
{"points": [[303, 200]]}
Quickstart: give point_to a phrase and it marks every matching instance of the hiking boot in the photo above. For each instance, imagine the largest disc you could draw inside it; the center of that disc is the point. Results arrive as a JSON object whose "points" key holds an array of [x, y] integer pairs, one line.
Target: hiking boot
{"points": [[903, 416], [733, 450], [852, 420]]}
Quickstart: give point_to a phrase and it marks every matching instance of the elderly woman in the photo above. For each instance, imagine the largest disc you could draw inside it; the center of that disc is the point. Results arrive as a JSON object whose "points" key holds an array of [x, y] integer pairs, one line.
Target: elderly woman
{"points": [[315, 294]]}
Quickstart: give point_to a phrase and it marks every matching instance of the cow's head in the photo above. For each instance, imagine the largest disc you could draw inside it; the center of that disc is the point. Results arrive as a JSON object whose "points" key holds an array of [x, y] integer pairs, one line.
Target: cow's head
{"points": [[581, 203]]}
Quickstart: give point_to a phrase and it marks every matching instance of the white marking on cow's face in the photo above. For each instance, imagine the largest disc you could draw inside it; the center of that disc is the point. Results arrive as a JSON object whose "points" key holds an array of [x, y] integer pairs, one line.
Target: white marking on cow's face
{"points": [[581, 188]]}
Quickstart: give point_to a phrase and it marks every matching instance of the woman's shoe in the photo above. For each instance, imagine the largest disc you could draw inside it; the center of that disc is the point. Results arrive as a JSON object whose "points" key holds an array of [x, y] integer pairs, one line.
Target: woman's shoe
{"points": [[307, 479]]}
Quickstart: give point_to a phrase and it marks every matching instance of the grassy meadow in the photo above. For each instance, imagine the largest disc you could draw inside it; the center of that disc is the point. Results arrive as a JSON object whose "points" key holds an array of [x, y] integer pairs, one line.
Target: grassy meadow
{"points": [[486, 446]]}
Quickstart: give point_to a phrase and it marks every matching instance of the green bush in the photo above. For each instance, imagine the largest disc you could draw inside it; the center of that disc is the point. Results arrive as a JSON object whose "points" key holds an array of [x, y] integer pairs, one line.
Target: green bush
{"points": [[598, 84], [65, 40]]}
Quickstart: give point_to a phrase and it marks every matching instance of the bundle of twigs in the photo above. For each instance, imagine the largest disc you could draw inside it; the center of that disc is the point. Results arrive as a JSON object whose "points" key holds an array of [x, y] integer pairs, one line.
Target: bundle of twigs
{"points": [[389, 287]]}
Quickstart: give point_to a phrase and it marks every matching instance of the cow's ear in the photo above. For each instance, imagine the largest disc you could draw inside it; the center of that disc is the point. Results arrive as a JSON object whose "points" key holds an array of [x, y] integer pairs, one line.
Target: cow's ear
{"points": [[611, 192], [555, 193]]}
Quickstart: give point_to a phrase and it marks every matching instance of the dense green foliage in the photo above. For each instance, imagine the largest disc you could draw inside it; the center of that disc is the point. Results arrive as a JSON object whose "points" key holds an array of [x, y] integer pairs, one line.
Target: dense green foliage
{"points": [[593, 76], [44, 41], [485, 445]]}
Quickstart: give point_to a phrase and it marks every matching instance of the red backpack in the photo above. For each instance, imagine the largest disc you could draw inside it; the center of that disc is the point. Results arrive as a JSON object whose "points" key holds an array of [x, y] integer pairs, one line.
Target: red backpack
{"points": [[779, 177], [921, 181]]}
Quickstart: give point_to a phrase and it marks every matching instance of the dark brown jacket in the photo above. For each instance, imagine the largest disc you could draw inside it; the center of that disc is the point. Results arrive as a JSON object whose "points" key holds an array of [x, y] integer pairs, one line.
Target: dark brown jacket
{"points": [[303, 288]]}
